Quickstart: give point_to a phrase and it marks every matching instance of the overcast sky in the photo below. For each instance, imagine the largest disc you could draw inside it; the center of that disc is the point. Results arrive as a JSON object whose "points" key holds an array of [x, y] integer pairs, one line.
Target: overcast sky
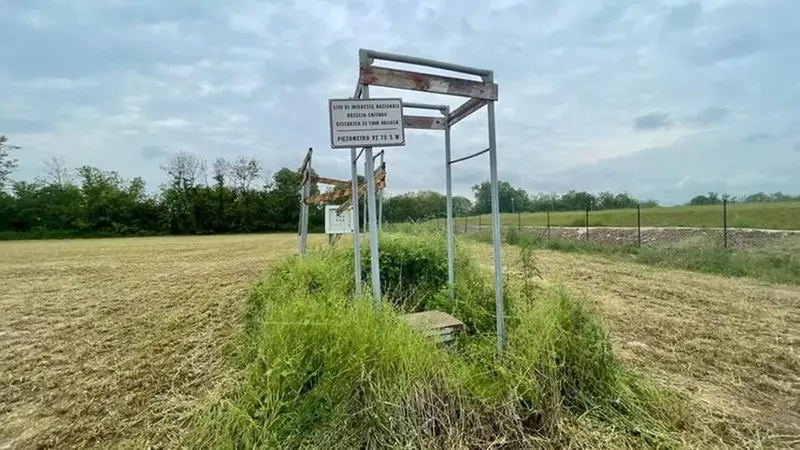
{"points": [[662, 99]]}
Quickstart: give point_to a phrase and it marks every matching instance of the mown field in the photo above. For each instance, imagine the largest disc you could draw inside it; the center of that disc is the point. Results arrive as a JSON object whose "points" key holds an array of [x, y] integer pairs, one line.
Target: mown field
{"points": [[113, 343], [776, 216]]}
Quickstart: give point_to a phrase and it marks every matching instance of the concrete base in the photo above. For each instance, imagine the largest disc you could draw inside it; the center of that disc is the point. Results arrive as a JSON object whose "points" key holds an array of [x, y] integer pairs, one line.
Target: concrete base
{"points": [[437, 325]]}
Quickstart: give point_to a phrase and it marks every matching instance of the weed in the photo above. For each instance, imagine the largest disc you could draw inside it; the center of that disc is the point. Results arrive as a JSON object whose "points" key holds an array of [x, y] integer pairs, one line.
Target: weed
{"points": [[323, 369], [763, 265]]}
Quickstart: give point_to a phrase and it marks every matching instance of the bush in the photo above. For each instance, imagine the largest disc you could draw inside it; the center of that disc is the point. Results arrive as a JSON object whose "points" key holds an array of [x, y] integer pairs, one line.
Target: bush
{"points": [[321, 369], [413, 267]]}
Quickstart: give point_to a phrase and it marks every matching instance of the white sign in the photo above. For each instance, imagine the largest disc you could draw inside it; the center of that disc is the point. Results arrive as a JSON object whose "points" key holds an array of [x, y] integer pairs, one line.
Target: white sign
{"points": [[374, 122], [338, 223]]}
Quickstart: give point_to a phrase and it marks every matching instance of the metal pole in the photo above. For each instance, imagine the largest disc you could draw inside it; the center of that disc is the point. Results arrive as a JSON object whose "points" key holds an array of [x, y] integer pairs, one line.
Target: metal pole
{"points": [[373, 228], [498, 265], [300, 248], [479, 221], [725, 222], [548, 224], [519, 222], [639, 222], [306, 192], [365, 200], [449, 211], [380, 202], [356, 231], [587, 222]]}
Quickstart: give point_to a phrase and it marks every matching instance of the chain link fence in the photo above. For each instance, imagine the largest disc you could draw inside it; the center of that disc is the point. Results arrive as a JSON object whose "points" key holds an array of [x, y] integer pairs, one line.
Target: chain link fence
{"points": [[726, 225]]}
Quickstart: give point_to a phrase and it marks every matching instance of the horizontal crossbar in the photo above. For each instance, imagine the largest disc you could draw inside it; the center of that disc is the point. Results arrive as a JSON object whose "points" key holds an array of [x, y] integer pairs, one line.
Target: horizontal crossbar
{"points": [[333, 181], [424, 122], [461, 113], [426, 82], [453, 161], [441, 108], [372, 54]]}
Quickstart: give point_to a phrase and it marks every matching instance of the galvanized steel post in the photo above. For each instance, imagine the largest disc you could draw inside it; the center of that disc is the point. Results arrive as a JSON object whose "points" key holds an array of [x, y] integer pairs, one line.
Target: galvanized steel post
{"points": [[498, 265], [356, 231], [448, 179], [375, 273]]}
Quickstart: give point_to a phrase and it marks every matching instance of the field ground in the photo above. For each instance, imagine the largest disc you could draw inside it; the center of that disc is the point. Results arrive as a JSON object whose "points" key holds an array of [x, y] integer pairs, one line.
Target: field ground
{"points": [[777, 216], [108, 342], [111, 342], [731, 343]]}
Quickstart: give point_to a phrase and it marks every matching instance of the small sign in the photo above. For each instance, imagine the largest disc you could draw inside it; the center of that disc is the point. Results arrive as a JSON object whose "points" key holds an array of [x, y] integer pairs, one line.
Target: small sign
{"points": [[374, 122], [338, 223]]}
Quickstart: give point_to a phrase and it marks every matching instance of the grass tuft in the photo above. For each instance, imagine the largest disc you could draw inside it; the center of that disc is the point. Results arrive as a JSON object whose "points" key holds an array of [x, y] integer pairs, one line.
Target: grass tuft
{"points": [[319, 368], [765, 265]]}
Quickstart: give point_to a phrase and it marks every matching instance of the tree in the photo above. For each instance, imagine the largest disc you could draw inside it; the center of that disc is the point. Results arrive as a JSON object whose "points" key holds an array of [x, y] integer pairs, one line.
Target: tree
{"points": [[461, 206], [185, 170], [7, 163], [243, 172], [57, 173], [511, 198], [712, 198]]}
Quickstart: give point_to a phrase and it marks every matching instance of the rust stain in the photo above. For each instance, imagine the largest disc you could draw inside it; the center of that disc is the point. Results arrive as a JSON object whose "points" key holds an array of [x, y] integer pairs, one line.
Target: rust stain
{"points": [[368, 76], [420, 82]]}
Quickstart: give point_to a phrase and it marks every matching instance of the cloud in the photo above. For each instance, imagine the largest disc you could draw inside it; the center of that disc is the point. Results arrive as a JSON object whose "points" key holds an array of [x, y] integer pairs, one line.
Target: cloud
{"points": [[759, 136], [153, 152], [684, 16], [11, 126], [710, 116], [119, 83], [730, 48], [652, 121]]}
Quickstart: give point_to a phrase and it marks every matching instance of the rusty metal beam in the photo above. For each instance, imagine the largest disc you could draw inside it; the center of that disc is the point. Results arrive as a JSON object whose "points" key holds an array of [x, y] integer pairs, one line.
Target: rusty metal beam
{"points": [[415, 81], [335, 195], [367, 54], [424, 122], [464, 110], [380, 183], [304, 167], [332, 181]]}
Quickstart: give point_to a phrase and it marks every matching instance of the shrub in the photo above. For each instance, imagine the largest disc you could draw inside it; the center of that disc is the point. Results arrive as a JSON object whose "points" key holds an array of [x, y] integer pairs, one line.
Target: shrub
{"points": [[321, 369]]}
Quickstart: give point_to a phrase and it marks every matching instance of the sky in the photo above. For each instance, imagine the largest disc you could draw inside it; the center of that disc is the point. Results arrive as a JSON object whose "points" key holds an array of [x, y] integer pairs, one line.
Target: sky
{"points": [[662, 99]]}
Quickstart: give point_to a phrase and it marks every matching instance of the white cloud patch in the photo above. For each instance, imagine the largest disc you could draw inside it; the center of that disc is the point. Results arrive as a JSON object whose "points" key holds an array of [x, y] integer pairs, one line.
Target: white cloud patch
{"points": [[663, 99]]}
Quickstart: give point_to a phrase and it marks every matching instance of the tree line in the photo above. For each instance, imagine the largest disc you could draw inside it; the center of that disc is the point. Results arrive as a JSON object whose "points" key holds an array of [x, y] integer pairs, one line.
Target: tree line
{"points": [[232, 196], [714, 198]]}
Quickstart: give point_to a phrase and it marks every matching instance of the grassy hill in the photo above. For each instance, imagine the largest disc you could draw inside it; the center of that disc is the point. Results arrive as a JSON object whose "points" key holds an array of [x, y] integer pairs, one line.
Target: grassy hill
{"points": [[779, 216]]}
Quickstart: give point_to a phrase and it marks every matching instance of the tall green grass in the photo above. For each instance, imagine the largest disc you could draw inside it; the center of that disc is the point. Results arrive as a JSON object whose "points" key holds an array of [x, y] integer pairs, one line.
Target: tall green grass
{"points": [[320, 368], [765, 265], [778, 216]]}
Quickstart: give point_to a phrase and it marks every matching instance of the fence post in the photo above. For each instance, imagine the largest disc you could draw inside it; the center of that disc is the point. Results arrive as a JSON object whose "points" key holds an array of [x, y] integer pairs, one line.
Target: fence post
{"points": [[519, 222], [587, 223], [466, 217], [479, 222], [548, 224], [725, 222], [639, 222]]}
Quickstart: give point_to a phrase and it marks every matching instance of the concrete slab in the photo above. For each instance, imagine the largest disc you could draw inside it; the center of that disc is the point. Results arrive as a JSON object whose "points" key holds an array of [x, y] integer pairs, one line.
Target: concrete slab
{"points": [[437, 325]]}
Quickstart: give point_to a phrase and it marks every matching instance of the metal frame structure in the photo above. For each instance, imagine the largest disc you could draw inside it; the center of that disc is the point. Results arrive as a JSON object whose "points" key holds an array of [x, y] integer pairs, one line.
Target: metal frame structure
{"points": [[379, 179], [480, 93]]}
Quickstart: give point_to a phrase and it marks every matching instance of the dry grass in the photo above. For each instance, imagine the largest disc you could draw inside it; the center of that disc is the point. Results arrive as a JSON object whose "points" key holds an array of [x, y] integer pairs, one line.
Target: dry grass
{"points": [[108, 342], [731, 343]]}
